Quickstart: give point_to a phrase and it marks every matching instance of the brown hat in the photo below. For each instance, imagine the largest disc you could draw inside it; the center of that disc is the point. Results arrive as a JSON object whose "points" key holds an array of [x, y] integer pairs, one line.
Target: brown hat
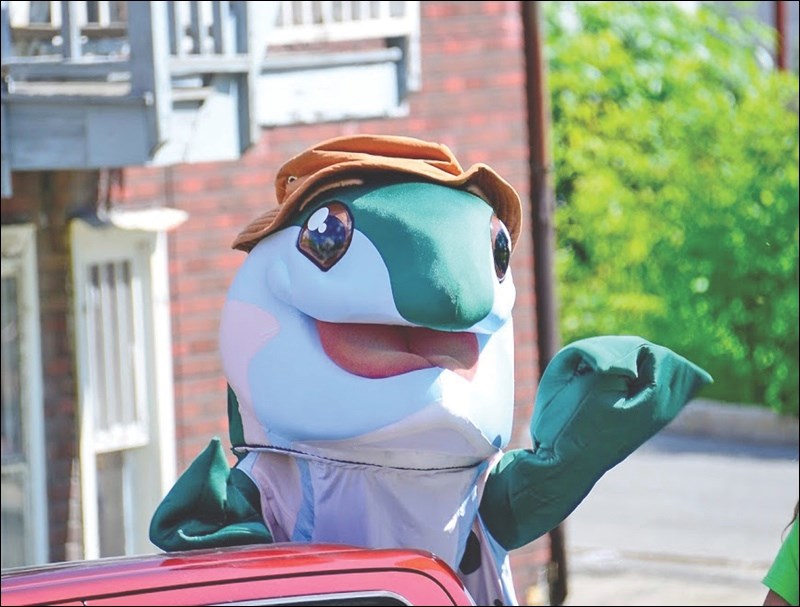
{"points": [[337, 162]]}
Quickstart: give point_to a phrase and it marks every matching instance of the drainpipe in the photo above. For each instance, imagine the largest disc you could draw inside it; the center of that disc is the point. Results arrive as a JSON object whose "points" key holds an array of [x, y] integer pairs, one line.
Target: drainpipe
{"points": [[782, 42], [543, 233]]}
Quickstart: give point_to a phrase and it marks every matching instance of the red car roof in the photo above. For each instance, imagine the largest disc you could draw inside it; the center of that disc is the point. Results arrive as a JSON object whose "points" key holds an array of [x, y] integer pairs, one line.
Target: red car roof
{"points": [[229, 574]]}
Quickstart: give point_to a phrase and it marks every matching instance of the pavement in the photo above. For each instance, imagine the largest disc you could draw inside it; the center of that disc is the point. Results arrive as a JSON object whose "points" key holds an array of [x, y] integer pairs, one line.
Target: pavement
{"points": [[730, 421], [693, 517]]}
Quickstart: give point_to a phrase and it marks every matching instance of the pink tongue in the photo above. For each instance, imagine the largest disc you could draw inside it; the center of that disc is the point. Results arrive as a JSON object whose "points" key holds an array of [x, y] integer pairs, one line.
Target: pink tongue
{"points": [[377, 351]]}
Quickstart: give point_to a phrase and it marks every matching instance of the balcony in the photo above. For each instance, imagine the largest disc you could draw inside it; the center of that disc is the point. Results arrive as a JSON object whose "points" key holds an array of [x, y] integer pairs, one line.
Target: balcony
{"points": [[90, 85]]}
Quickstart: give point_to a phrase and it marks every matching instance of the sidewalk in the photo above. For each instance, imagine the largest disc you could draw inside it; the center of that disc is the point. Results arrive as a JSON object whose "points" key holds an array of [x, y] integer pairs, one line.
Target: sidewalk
{"points": [[693, 517], [735, 422]]}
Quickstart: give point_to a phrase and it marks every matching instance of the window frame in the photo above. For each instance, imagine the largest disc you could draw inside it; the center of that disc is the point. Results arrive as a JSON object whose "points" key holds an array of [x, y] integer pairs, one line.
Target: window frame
{"points": [[19, 260]]}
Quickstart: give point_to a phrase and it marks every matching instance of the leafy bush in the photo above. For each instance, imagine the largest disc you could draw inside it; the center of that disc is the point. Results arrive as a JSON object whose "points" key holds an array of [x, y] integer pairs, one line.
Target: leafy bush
{"points": [[676, 177]]}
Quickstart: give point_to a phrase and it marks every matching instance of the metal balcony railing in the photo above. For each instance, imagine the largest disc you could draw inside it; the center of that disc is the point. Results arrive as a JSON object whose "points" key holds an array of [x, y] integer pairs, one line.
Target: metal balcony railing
{"points": [[105, 40], [320, 22], [104, 56]]}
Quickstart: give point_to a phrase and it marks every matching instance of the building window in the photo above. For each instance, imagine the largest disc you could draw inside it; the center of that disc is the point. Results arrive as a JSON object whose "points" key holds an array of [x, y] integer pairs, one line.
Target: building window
{"points": [[115, 362], [125, 384], [24, 503]]}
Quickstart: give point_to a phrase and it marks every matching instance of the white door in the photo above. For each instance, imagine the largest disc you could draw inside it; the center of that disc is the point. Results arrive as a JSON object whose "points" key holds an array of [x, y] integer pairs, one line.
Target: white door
{"points": [[124, 364]]}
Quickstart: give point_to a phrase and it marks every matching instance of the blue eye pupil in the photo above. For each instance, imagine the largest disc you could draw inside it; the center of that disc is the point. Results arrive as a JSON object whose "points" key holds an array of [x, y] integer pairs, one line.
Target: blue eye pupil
{"points": [[327, 244]]}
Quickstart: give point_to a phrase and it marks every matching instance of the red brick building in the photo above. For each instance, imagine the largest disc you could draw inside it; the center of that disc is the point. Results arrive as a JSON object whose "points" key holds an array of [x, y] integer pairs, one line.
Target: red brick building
{"points": [[471, 96]]}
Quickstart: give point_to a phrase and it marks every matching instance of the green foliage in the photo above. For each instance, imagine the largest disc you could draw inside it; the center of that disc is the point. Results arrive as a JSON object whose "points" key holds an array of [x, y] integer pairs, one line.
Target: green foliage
{"points": [[676, 175]]}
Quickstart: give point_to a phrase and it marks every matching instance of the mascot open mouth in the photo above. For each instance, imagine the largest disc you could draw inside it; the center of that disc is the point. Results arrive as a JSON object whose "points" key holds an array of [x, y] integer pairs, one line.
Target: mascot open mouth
{"points": [[378, 351]]}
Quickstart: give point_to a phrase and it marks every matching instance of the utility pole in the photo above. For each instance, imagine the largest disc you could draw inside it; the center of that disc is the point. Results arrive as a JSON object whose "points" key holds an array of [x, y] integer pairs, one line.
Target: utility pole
{"points": [[543, 232], [781, 42]]}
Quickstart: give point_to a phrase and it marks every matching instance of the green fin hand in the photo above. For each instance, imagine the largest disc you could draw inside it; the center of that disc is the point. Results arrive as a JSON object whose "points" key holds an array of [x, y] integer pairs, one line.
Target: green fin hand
{"points": [[210, 505], [598, 400]]}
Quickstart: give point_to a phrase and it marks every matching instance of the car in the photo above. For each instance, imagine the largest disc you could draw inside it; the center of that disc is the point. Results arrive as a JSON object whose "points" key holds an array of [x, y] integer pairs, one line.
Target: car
{"points": [[268, 574]]}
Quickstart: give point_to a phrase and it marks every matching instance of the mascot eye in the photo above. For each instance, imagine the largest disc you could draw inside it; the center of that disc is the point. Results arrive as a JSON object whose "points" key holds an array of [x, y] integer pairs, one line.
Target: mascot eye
{"points": [[326, 235], [501, 247]]}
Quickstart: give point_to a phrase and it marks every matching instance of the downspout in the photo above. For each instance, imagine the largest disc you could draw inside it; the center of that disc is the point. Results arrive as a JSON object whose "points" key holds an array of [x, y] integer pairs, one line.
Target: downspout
{"points": [[543, 233], [781, 42]]}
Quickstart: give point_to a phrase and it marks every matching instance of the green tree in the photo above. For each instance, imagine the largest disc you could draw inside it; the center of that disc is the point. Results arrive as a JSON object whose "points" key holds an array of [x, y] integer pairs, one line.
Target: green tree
{"points": [[676, 176]]}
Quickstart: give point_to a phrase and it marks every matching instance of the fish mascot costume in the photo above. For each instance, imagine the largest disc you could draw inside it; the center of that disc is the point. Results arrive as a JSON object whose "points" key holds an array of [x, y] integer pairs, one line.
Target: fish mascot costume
{"points": [[367, 342]]}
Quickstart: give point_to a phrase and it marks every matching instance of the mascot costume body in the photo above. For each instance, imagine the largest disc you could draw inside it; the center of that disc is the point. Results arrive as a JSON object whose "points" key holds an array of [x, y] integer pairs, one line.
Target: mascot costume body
{"points": [[367, 341]]}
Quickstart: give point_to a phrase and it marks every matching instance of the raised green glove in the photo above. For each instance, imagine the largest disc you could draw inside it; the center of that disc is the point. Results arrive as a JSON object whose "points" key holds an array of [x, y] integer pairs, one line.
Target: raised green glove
{"points": [[598, 400], [209, 506]]}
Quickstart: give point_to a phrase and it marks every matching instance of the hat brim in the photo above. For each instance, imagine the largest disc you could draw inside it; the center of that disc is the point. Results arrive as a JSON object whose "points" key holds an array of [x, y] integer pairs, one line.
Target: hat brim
{"points": [[479, 179]]}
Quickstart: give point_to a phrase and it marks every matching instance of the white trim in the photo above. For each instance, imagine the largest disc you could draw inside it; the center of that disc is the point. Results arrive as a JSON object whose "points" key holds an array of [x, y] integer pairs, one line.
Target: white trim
{"points": [[162, 371], [19, 257], [153, 220], [414, 50], [86, 448]]}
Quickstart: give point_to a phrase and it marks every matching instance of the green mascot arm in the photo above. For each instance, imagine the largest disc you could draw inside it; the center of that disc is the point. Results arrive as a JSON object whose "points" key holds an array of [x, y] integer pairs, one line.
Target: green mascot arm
{"points": [[210, 505], [598, 400]]}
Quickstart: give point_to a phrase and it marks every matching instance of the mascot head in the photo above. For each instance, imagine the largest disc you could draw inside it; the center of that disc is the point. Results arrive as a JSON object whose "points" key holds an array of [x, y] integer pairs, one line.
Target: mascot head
{"points": [[371, 317]]}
